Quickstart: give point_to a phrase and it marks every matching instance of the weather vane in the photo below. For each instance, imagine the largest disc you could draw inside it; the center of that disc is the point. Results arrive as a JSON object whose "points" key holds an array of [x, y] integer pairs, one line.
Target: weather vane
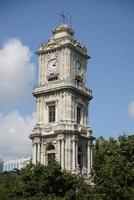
{"points": [[65, 19]]}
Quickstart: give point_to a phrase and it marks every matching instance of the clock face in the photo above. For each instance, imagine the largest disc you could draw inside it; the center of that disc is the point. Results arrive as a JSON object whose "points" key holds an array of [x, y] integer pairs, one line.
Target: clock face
{"points": [[77, 66], [52, 66]]}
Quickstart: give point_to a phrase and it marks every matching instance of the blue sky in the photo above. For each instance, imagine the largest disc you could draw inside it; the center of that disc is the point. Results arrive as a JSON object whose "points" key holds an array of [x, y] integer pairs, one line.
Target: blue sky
{"points": [[106, 27]]}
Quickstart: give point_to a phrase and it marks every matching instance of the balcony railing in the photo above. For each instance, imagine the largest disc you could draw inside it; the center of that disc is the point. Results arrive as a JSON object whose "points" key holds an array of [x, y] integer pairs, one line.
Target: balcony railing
{"points": [[61, 84]]}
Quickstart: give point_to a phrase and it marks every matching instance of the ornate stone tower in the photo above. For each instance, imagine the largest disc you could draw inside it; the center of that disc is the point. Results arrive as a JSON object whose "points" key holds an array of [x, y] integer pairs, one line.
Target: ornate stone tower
{"points": [[62, 131]]}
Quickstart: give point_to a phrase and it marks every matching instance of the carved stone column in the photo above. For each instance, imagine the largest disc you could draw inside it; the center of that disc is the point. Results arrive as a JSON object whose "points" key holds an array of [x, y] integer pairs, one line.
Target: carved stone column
{"points": [[62, 154], [39, 152], [66, 156], [44, 158], [41, 158], [91, 159], [34, 159], [88, 158], [69, 153], [73, 155], [59, 151]]}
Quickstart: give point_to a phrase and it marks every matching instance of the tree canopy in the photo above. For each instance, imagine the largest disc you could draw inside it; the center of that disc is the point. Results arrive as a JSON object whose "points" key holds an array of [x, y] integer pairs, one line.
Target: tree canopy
{"points": [[112, 175], [113, 168], [47, 181]]}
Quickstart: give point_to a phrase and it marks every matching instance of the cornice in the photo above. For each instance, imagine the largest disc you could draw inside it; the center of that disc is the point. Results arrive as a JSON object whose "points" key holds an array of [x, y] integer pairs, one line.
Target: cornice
{"points": [[62, 46], [42, 89]]}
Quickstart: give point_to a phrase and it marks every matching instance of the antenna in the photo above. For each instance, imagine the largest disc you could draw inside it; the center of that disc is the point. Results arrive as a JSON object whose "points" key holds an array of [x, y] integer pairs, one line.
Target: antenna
{"points": [[70, 19], [65, 19], [62, 17]]}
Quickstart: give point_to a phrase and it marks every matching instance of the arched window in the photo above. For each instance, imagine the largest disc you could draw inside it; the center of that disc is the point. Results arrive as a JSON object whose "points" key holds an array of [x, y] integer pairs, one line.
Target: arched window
{"points": [[50, 153]]}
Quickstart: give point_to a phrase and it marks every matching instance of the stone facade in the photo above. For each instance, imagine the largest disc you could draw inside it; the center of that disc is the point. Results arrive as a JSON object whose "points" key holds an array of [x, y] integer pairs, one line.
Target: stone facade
{"points": [[62, 131]]}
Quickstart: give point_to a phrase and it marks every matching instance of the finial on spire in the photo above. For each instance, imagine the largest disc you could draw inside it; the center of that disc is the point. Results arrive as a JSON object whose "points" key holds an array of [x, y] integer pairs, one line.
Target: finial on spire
{"points": [[65, 19]]}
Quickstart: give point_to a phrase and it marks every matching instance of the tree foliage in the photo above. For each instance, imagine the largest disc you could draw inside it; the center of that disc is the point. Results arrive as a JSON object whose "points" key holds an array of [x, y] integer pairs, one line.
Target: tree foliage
{"points": [[45, 183], [113, 168], [7, 182], [112, 175]]}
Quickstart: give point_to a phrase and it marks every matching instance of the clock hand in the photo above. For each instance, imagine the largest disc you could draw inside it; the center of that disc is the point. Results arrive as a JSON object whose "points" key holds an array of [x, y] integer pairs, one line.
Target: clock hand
{"points": [[55, 63]]}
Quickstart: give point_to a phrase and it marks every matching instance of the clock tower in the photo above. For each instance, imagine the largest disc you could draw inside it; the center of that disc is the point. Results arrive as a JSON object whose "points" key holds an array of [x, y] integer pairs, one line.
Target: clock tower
{"points": [[62, 131]]}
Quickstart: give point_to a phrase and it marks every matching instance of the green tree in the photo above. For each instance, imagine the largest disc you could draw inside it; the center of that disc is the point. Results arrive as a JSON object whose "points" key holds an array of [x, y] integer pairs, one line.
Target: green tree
{"points": [[44, 182], [7, 182], [113, 168], [113, 177]]}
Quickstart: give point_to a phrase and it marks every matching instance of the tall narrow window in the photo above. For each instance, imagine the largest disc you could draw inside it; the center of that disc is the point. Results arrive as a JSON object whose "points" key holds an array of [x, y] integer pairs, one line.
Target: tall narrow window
{"points": [[80, 157], [50, 153], [51, 110], [78, 114], [50, 157]]}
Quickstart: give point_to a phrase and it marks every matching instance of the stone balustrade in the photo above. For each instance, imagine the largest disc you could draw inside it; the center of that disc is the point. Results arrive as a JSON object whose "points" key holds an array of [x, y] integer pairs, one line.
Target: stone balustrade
{"points": [[67, 83]]}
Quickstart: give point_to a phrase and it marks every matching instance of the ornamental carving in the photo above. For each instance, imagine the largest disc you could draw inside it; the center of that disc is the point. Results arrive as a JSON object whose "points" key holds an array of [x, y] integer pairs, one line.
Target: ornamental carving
{"points": [[48, 128]]}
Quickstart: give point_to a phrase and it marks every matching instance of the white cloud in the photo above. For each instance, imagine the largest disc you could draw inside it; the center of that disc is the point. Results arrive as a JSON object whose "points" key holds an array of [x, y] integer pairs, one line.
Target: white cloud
{"points": [[16, 73], [16, 76], [131, 109], [14, 132]]}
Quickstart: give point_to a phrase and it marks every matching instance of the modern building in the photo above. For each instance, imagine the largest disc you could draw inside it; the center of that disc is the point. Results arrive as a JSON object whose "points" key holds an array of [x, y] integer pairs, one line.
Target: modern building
{"points": [[16, 164], [1, 165], [62, 131]]}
